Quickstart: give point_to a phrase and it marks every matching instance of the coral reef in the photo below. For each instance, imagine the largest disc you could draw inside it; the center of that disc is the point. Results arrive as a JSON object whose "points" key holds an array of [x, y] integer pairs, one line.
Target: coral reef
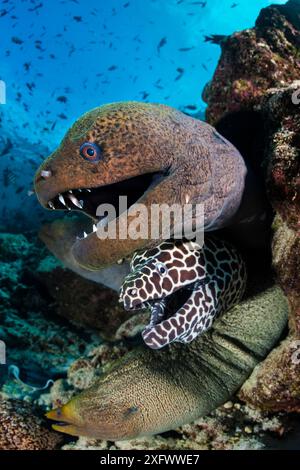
{"points": [[255, 79], [74, 359], [21, 429], [281, 115], [275, 384], [36, 342], [256, 82], [255, 60], [93, 306]]}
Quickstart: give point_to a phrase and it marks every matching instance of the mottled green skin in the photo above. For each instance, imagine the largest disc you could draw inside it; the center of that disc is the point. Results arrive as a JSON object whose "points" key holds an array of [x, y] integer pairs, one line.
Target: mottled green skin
{"points": [[149, 391]]}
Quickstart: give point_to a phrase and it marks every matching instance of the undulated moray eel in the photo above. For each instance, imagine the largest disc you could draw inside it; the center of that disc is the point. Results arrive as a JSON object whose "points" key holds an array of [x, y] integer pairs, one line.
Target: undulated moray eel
{"points": [[149, 391], [156, 154], [185, 285]]}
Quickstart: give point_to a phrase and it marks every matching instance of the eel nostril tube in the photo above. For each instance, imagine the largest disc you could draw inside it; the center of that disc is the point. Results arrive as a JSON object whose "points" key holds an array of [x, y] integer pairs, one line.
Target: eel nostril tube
{"points": [[46, 173]]}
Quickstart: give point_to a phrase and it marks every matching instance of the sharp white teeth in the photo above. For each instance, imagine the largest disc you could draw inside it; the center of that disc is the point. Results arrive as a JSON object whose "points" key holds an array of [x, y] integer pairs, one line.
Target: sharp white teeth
{"points": [[61, 198], [30, 193], [46, 174], [89, 190], [94, 228], [84, 235], [70, 191], [51, 205], [75, 201], [80, 190], [120, 261]]}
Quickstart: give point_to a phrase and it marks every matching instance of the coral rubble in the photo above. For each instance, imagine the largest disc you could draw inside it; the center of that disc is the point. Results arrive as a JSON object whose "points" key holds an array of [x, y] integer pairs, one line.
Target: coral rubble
{"points": [[22, 429]]}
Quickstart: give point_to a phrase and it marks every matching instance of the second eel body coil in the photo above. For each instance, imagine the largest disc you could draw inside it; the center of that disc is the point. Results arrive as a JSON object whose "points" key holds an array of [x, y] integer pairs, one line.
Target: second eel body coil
{"points": [[185, 286]]}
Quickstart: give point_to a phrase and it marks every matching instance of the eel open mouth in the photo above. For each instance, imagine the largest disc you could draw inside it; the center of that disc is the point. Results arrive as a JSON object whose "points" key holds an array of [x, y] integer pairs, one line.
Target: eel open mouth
{"points": [[163, 308], [65, 418], [88, 200]]}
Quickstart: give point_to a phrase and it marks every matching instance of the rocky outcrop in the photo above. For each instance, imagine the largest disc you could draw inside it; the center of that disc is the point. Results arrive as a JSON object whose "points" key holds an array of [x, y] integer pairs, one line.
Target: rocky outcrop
{"points": [[256, 84], [254, 60], [286, 261], [275, 384]]}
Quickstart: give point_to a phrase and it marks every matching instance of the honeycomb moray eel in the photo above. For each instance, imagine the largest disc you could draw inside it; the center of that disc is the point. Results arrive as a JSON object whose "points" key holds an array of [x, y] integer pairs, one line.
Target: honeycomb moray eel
{"points": [[185, 285], [150, 392], [152, 154]]}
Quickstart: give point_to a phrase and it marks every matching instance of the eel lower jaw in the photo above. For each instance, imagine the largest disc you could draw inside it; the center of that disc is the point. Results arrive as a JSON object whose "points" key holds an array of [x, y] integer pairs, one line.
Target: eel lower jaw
{"points": [[67, 429], [64, 417]]}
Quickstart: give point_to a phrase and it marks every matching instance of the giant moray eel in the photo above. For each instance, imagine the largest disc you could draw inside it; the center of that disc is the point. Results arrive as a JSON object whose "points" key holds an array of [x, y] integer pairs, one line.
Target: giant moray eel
{"points": [[151, 391], [152, 154], [155, 154]]}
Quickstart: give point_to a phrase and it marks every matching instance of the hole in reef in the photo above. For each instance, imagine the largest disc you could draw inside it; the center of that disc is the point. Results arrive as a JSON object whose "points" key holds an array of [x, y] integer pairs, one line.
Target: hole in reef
{"points": [[245, 130]]}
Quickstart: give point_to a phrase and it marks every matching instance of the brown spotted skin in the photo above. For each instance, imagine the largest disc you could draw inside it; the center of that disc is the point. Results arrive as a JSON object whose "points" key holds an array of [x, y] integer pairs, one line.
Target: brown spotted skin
{"points": [[216, 274], [138, 138]]}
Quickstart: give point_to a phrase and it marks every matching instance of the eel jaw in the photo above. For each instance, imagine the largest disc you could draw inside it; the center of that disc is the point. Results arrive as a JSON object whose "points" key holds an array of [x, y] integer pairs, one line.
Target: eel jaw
{"points": [[165, 307], [66, 419], [87, 200]]}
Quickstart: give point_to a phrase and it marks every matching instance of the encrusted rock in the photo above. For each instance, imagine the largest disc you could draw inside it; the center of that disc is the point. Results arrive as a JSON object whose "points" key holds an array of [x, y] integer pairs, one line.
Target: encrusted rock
{"points": [[256, 86], [255, 60], [286, 261], [275, 384], [281, 114], [21, 429]]}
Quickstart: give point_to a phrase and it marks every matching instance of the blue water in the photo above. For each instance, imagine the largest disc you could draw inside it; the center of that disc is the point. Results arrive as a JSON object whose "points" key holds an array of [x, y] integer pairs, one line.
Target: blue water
{"points": [[60, 58], [81, 40]]}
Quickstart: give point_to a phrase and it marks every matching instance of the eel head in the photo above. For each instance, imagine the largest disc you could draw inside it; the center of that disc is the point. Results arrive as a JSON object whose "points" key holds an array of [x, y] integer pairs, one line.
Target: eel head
{"points": [[146, 152], [109, 152]]}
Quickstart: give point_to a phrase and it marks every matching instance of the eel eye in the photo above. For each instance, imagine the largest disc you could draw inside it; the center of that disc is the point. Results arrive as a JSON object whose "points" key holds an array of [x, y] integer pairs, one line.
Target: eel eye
{"points": [[90, 151], [161, 269], [132, 292]]}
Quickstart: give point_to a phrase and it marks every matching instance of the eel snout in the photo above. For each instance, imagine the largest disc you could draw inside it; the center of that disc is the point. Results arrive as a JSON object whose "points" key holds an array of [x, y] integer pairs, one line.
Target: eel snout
{"points": [[109, 411], [149, 392]]}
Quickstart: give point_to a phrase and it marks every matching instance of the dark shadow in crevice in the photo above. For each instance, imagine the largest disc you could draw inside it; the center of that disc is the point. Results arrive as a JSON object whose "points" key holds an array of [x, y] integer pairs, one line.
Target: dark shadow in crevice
{"points": [[245, 130]]}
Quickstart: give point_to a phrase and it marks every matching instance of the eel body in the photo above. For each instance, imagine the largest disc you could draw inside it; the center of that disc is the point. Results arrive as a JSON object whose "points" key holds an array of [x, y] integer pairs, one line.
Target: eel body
{"points": [[150, 392]]}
